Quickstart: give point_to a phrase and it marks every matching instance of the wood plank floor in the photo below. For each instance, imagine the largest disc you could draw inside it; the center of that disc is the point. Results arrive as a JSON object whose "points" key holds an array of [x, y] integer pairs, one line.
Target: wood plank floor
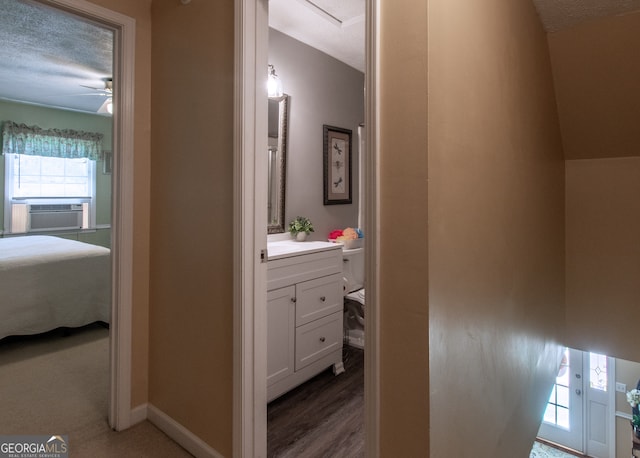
{"points": [[323, 417]]}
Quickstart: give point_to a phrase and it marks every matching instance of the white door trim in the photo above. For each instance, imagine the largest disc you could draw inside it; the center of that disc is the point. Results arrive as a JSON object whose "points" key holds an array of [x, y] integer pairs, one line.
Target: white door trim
{"points": [[249, 367], [122, 203], [612, 407], [250, 229]]}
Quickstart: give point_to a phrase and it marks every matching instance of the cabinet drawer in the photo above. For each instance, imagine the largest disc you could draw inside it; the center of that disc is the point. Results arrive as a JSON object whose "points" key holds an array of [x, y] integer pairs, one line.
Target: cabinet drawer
{"points": [[296, 269], [318, 298], [317, 339]]}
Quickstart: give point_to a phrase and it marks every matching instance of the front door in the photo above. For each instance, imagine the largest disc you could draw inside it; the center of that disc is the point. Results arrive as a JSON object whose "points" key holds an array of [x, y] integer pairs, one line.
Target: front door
{"points": [[598, 416], [578, 414], [562, 423]]}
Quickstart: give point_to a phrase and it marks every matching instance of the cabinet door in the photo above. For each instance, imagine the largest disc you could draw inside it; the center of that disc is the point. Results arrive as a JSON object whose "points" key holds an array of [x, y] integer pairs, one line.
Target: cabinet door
{"points": [[319, 297], [280, 333]]}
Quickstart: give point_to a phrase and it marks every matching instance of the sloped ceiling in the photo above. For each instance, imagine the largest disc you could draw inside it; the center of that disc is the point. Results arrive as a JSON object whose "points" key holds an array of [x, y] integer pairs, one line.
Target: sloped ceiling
{"points": [[560, 14]]}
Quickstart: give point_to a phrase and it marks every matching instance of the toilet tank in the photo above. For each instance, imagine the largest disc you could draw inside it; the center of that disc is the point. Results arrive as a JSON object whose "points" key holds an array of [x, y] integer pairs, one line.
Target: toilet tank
{"points": [[353, 269]]}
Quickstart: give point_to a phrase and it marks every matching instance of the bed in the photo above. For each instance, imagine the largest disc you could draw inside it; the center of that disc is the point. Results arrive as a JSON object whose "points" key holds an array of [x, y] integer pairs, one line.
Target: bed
{"points": [[50, 282]]}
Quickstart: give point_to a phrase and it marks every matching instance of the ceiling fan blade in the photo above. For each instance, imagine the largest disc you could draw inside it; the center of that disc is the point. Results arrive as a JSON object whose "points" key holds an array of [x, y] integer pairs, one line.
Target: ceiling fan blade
{"points": [[94, 88], [101, 94]]}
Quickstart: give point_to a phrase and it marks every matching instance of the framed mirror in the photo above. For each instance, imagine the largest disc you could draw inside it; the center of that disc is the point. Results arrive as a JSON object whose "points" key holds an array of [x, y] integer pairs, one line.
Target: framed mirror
{"points": [[277, 162]]}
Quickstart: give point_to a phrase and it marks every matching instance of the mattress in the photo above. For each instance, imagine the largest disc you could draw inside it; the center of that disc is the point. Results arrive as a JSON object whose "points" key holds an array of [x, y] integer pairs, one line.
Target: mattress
{"points": [[49, 282]]}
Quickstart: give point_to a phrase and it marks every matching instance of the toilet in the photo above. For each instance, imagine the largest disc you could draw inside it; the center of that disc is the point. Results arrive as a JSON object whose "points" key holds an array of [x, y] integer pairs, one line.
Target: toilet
{"points": [[353, 272]]}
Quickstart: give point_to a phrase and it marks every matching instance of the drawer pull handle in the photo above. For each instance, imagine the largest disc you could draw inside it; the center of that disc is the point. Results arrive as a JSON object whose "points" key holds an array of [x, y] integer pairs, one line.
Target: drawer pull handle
{"points": [[322, 339], [293, 299], [322, 298]]}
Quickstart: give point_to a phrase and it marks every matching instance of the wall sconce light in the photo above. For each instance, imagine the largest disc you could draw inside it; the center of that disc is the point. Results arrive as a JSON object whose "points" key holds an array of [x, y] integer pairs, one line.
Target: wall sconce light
{"points": [[274, 84]]}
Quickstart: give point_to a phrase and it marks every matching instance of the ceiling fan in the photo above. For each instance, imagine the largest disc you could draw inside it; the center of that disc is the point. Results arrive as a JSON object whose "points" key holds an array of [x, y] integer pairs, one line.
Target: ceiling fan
{"points": [[106, 91]]}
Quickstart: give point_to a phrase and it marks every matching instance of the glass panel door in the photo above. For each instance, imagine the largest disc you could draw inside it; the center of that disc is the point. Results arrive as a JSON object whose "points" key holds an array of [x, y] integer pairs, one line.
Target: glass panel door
{"points": [[562, 421]]}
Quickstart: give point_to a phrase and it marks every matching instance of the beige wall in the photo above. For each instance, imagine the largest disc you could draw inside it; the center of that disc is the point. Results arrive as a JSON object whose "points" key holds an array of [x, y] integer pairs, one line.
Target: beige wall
{"points": [[404, 311], [603, 255], [140, 11], [496, 227], [190, 349], [597, 77]]}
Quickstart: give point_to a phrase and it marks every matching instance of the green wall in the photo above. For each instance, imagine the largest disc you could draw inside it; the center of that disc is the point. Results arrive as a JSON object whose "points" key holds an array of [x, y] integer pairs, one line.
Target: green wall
{"points": [[51, 118]]}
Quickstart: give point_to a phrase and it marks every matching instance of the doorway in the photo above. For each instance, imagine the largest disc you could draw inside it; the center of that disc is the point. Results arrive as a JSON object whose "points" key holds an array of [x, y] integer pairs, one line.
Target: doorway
{"points": [[322, 88], [120, 414], [579, 414], [250, 298]]}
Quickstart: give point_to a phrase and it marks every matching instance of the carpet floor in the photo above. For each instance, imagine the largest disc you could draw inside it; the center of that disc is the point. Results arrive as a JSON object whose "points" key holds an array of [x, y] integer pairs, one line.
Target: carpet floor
{"points": [[55, 383], [541, 450]]}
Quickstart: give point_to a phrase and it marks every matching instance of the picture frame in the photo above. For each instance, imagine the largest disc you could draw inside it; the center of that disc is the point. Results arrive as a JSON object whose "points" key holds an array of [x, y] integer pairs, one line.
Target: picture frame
{"points": [[107, 162], [337, 165]]}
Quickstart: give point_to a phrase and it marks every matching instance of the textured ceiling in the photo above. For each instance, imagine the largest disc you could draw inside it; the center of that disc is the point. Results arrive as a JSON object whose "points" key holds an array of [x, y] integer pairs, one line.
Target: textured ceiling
{"points": [[560, 14], [47, 56]]}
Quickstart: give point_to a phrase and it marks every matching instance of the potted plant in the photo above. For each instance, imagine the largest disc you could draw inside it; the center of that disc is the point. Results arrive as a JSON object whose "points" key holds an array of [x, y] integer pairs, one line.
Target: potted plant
{"points": [[635, 422], [300, 227], [633, 398]]}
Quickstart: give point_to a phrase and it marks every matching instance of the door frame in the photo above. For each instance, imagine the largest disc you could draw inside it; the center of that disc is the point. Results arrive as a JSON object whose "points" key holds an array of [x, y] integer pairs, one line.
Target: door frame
{"points": [[122, 202], [249, 341]]}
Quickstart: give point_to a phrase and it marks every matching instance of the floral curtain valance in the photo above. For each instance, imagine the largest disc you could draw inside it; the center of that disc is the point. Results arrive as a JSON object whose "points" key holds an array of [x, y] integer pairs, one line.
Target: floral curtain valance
{"points": [[34, 141]]}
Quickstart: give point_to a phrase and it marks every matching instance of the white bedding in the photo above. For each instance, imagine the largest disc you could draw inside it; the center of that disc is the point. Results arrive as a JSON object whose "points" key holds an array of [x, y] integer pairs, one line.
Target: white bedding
{"points": [[48, 282]]}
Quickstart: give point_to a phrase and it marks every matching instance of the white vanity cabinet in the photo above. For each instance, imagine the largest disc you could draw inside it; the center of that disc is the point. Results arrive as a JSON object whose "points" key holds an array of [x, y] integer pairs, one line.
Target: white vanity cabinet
{"points": [[304, 315]]}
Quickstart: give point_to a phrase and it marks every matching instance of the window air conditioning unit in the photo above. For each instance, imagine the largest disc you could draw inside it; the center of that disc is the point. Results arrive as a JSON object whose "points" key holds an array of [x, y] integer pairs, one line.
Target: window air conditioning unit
{"points": [[47, 217]]}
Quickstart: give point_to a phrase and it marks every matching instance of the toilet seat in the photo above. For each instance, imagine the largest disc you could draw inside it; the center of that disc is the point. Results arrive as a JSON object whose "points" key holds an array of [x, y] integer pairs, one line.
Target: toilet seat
{"points": [[357, 296]]}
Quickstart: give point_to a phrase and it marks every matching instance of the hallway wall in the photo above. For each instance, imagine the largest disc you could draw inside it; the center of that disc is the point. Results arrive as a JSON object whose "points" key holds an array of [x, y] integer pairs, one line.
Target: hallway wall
{"points": [[404, 276], [603, 255], [191, 264], [496, 227]]}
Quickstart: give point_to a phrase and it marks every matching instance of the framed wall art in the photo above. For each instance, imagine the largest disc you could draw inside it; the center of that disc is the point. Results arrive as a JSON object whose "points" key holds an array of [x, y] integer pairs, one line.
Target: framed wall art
{"points": [[337, 165], [107, 164]]}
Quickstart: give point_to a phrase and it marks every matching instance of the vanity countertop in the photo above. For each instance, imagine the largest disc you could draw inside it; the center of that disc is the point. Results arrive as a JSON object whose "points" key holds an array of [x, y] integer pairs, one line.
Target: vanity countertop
{"points": [[287, 248]]}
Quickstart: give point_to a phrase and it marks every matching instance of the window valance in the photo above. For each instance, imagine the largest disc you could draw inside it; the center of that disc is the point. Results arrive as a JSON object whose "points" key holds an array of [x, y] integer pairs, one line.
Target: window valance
{"points": [[34, 141]]}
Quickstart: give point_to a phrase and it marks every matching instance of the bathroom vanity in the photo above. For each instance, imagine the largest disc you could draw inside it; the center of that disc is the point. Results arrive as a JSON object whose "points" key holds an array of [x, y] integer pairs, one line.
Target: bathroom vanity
{"points": [[304, 312]]}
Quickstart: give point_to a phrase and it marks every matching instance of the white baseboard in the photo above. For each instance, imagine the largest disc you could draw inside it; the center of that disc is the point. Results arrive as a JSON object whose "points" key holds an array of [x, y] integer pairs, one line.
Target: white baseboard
{"points": [[139, 414], [192, 443]]}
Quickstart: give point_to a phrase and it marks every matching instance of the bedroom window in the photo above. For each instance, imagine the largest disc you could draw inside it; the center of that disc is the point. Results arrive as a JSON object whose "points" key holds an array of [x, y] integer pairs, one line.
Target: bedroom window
{"points": [[49, 193], [50, 178]]}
